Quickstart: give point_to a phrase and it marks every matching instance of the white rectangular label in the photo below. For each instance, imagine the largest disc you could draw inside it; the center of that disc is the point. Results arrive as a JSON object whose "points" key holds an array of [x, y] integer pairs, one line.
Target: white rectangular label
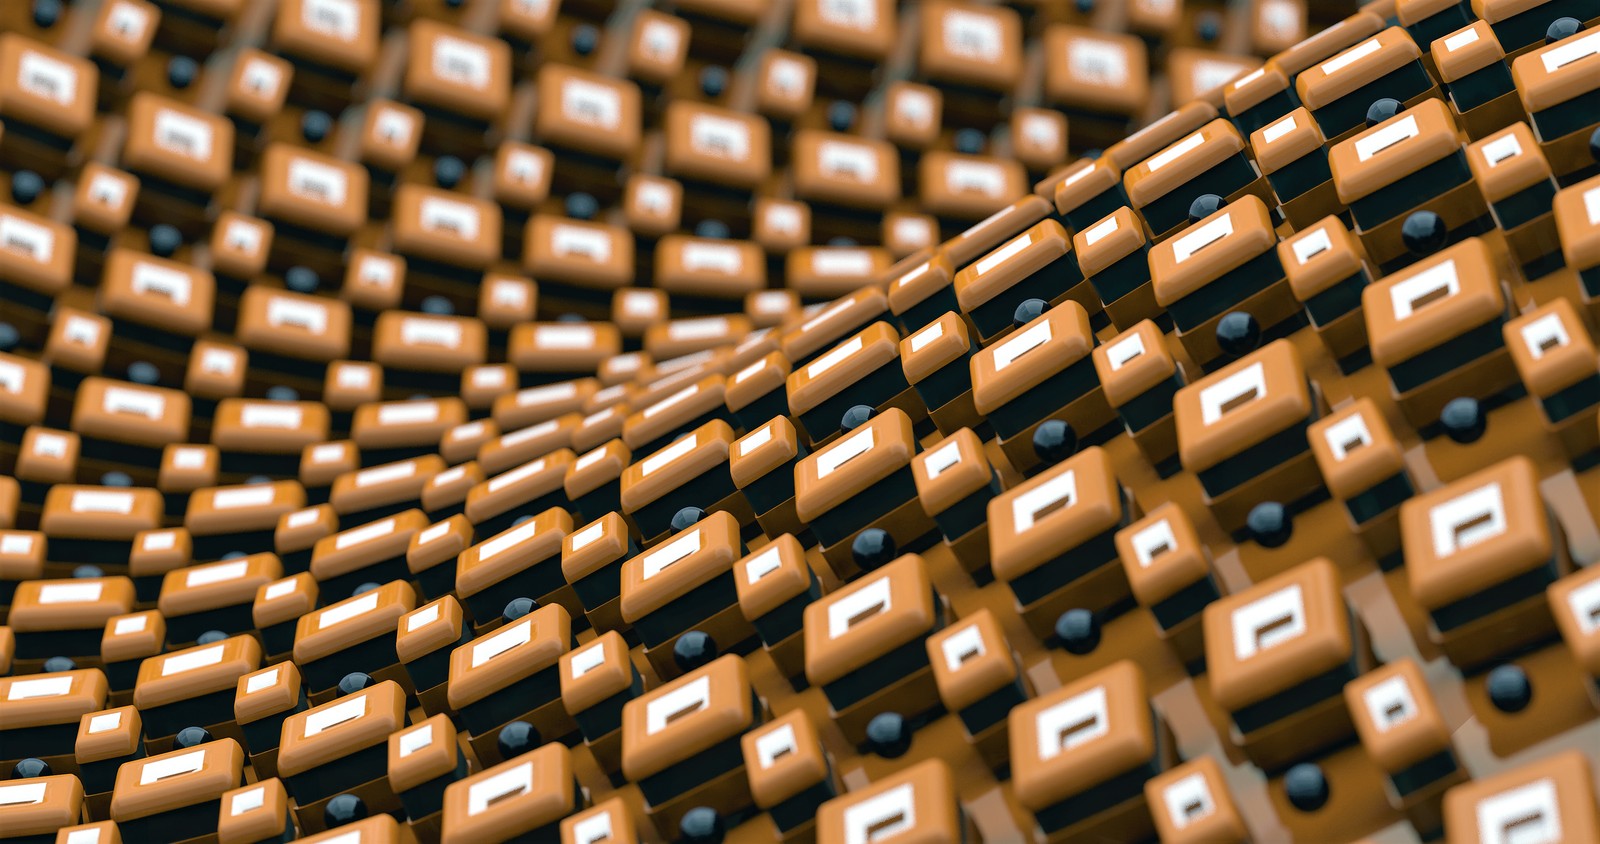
{"points": [[668, 454], [1199, 237], [1467, 520], [108, 190], [714, 257], [763, 563], [183, 135], [1311, 245], [15, 543], [70, 593], [1268, 621], [137, 402], [588, 659], [244, 237], [1021, 343], [719, 137], [588, 535], [81, 330], [678, 703], [415, 740], [1584, 602], [1350, 56], [755, 440], [176, 766], [1188, 800], [22, 795], [589, 459], [100, 501], [264, 680], [942, 458], [356, 536], [977, 177], [247, 801], [1461, 39], [281, 588], [499, 643], [1119, 353], [526, 470], [349, 609], [842, 159], [307, 315], [551, 393], [1102, 64], [46, 77], [1501, 148], [1347, 435], [338, 18], [591, 104], [1028, 506], [1390, 703], [385, 474], [972, 36], [261, 78], [508, 540], [532, 432], [31, 239], [1153, 541], [496, 788], [1279, 129], [317, 182], [524, 166], [921, 339], [107, 721], [219, 573], [127, 20], [775, 743], [461, 62], [323, 720], [552, 337], [44, 687], [12, 376], [1381, 139], [408, 413], [130, 624], [835, 357], [250, 496], [872, 599], [418, 331], [393, 126], [180, 663], [671, 400], [1232, 392], [1437, 282], [590, 244], [1560, 56], [1094, 234], [666, 555], [447, 216], [285, 416], [423, 617], [1004, 253], [1072, 722], [1528, 814], [697, 329], [843, 452], [962, 645], [855, 14], [1174, 152], [1544, 334]]}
